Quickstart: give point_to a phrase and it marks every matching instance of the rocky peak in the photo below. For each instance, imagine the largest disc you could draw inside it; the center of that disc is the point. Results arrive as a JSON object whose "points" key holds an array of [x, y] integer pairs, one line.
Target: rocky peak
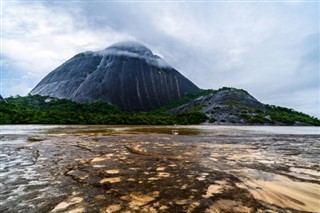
{"points": [[130, 47], [126, 74], [134, 50], [225, 104]]}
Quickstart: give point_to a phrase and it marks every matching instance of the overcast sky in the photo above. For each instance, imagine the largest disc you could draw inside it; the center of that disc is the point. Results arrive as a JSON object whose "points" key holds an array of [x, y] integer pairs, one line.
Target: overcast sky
{"points": [[271, 49]]}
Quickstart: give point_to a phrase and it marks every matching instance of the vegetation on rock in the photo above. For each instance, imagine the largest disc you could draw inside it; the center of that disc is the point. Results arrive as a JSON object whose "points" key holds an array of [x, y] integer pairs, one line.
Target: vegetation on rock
{"points": [[45, 110], [223, 106], [236, 106], [290, 116]]}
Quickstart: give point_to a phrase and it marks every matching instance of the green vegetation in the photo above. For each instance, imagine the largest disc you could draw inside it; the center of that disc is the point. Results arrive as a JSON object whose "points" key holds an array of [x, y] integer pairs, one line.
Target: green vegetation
{"points": [[185, 99], [232, 89], [190, 118], [212, 120], [290, 116], [44, 110], [277, 115]]}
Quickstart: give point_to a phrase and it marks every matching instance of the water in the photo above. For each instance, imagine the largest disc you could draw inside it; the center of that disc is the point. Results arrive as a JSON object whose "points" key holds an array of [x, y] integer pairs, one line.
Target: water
{"points": [[184, 130], [25, 129]]}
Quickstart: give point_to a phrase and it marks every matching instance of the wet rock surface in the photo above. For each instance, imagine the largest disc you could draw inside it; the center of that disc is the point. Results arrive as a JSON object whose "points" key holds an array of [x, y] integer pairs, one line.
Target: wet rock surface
{"points": [[129, 171]]}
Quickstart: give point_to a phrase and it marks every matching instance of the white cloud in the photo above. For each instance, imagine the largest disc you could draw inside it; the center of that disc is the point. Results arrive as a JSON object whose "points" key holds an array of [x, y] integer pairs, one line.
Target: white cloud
{"points": [[42, 38]]}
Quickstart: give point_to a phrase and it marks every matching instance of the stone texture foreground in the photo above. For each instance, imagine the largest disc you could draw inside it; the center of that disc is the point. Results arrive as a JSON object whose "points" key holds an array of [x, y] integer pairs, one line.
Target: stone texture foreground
{"points": [[136, 172]]}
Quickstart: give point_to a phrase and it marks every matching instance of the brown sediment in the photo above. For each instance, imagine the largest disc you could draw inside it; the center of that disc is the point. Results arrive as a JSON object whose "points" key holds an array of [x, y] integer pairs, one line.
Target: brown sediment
{"points": [[225, 205], [110, 180], [139, 151], [112, 171], [286, 193], [216, 188], [113, 208], [137, 200], [70, 202], [152, 173]]}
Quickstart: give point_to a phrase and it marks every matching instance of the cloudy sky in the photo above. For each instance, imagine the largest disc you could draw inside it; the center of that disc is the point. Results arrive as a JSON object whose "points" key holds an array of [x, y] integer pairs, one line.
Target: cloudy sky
{"points": [[269, 48]]}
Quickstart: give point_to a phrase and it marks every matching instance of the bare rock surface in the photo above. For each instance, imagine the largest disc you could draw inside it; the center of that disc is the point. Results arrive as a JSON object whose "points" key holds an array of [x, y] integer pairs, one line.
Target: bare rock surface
{"points": [[125, 74], [65, 169], [225, 105], [2, 100]]}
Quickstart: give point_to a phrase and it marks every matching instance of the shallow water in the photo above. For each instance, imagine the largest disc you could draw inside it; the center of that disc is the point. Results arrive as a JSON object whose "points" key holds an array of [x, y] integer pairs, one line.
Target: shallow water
{"points": [[184, 130], [85, 168]]}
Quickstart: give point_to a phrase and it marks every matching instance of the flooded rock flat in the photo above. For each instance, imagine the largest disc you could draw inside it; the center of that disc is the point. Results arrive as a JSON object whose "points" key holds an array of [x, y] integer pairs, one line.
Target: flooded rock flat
{"points": [[147, 169]]}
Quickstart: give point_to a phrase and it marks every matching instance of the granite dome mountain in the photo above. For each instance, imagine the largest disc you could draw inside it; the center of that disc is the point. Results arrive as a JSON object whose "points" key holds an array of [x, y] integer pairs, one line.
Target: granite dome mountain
{"points": [[126, 74]]}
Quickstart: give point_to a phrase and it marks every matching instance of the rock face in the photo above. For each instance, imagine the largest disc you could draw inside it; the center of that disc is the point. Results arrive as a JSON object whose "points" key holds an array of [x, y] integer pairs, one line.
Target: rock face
{"points": [[222, 98], [228, 105], [125, 74], [2, 100]]}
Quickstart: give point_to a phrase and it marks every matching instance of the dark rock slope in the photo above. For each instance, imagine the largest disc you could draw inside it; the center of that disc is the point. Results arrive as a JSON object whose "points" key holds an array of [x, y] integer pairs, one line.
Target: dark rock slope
{"points": [[227, 105], [2, 100], [125, 74]]}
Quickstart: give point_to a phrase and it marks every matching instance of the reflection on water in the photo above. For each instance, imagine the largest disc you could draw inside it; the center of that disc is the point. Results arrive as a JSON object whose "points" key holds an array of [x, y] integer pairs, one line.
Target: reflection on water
{"points": [[183, 130], [26, 129], [167, 130]]}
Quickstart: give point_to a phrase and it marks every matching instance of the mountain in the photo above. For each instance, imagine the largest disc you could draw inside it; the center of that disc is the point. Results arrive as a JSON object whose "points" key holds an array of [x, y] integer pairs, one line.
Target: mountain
{"points": [[236, 106], [127, 75]]}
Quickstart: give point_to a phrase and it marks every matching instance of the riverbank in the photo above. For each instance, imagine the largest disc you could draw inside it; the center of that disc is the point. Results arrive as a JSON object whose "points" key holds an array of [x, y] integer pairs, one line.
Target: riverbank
{"points": [[147, 169]]}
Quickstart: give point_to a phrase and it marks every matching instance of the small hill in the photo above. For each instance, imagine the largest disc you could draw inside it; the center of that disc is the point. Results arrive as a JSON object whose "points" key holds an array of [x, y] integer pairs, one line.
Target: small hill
{"points": [[237, 106]]}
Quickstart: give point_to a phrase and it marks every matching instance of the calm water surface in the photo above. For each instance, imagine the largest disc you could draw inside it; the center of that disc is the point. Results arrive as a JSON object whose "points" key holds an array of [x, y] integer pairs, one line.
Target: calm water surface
{"points": [[183, 130]]}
